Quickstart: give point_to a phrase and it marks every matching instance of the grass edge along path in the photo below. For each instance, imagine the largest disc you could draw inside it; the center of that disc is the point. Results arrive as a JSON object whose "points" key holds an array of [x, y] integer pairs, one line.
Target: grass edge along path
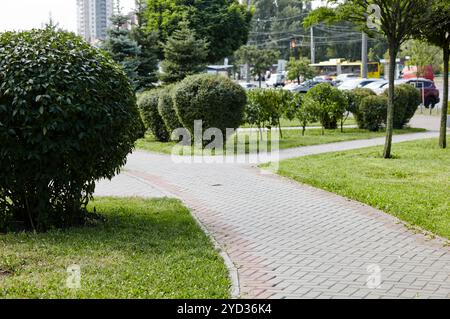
{"points": [[146, 248], [413, 186], [291, 139]]}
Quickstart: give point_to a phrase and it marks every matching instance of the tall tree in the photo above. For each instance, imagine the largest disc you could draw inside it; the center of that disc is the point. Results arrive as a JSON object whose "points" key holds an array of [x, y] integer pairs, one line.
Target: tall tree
{"points": [[422, 54], [122, 48], [223, 23], [149, 47], [436, 31], [184, 54], [300, 69], [397, 20], [259, 59]]}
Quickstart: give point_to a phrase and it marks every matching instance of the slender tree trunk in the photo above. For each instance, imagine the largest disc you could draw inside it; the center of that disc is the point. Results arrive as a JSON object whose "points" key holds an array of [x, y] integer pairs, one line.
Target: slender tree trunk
{"points": [[390, 109], [279, 127], [304, 129], [259, 75], [442, 135]]}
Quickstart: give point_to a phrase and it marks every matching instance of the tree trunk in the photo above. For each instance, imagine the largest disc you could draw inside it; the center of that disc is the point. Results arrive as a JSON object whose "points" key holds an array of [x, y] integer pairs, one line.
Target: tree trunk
{"points": [[390, 110], [303, 129], [259, 75], [279, 127], [442, 135]]}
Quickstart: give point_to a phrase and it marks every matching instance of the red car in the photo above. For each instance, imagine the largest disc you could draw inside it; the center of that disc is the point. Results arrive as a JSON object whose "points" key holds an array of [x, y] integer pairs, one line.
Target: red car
{"points": [[431, 93]]}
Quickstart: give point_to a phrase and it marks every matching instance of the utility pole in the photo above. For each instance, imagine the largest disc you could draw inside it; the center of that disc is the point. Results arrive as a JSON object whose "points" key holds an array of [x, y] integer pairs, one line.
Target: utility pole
{"points": [[313, 49], [364, 58]]}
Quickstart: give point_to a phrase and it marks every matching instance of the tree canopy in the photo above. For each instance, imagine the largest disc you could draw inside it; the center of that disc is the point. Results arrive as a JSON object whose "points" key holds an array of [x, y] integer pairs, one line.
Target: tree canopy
{"points": [[224, 23], [259, 59], [184, 54]]}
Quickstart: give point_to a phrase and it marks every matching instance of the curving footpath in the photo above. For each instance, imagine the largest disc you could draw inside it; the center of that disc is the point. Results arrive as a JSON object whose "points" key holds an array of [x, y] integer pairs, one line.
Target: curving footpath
{"points": [[289, 240]]}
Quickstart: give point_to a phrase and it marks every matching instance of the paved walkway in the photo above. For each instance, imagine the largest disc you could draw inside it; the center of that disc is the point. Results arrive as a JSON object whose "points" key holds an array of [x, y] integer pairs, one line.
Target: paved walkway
{"points": [[289, 240]]}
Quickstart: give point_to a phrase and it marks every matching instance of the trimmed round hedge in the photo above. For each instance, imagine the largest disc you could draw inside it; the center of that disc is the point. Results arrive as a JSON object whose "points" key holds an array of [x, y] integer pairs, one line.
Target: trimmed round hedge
{"points": [[373, 112], [406, 101], [217, 101], [148, 104], [68, 117], [354, 98], [167, 110]]}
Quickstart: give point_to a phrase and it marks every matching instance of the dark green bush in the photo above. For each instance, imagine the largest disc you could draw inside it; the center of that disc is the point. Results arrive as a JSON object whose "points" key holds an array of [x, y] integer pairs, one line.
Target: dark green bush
{"points": [[326, 103], [217, 101], [68, 117], [167, 110], [148, 104], [354, 98], [406, 100], [413, 101], [373, 112]]}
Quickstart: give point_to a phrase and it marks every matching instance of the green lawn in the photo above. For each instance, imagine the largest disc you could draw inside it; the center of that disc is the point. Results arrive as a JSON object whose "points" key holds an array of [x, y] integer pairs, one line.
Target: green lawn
{"points": [[145, 249], [414, 186], [291, 138]]}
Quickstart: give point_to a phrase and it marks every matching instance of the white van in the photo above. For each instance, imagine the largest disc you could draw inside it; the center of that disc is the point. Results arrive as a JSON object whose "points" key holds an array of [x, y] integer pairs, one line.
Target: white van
{"points": [[276, 80]]}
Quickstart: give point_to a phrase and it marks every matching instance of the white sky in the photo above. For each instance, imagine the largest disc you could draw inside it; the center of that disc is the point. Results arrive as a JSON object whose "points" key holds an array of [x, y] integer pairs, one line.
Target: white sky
{"points": [[28, 14]]}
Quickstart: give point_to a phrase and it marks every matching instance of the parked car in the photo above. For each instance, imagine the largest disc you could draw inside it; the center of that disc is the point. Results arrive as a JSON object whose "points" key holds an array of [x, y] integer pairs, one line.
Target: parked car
{"points": [[378, 86], [431, 93], [248, 86], [355, 83], [276, 80], [323, 78], [341, 78], [306, 86], [346, 76]]}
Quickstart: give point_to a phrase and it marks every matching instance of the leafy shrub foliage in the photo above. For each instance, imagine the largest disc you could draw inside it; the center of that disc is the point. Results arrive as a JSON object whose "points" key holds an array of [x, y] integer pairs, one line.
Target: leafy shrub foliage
{"points": [[68, 117], [216, 100], [354, 98], [373, 112], [167, 110], [265, 107], [326, 103], [257, 111], [297, 110], [406, 100], [148, 105]]}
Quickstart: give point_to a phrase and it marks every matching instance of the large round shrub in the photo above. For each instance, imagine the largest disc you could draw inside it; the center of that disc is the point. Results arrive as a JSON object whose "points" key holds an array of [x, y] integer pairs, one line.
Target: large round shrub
{"points": [[167, 110], [414, 99], [68, 117], [354, 98], [326, 103], [217, 101], [406, 100], [148, 104], [373, 112]]}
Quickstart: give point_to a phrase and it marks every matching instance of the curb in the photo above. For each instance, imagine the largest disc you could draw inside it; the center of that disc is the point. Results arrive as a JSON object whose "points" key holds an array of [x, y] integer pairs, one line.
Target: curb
{"points": [[232, 270]]}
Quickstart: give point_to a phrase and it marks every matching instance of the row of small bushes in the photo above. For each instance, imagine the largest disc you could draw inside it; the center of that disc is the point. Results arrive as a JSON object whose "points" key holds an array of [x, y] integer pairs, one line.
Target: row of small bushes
{"points": [[217, 101], [323, 103], [330, 106], [370, 110]]}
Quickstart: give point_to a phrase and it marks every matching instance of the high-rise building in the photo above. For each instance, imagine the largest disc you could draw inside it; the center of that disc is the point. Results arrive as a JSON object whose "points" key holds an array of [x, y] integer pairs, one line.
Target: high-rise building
{"points": [[94, 18]]}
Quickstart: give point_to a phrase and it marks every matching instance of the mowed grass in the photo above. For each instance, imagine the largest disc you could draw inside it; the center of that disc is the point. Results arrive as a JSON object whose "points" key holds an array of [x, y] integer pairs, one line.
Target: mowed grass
{"points": [[291, 138], [145, 249], [414, 185]]}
